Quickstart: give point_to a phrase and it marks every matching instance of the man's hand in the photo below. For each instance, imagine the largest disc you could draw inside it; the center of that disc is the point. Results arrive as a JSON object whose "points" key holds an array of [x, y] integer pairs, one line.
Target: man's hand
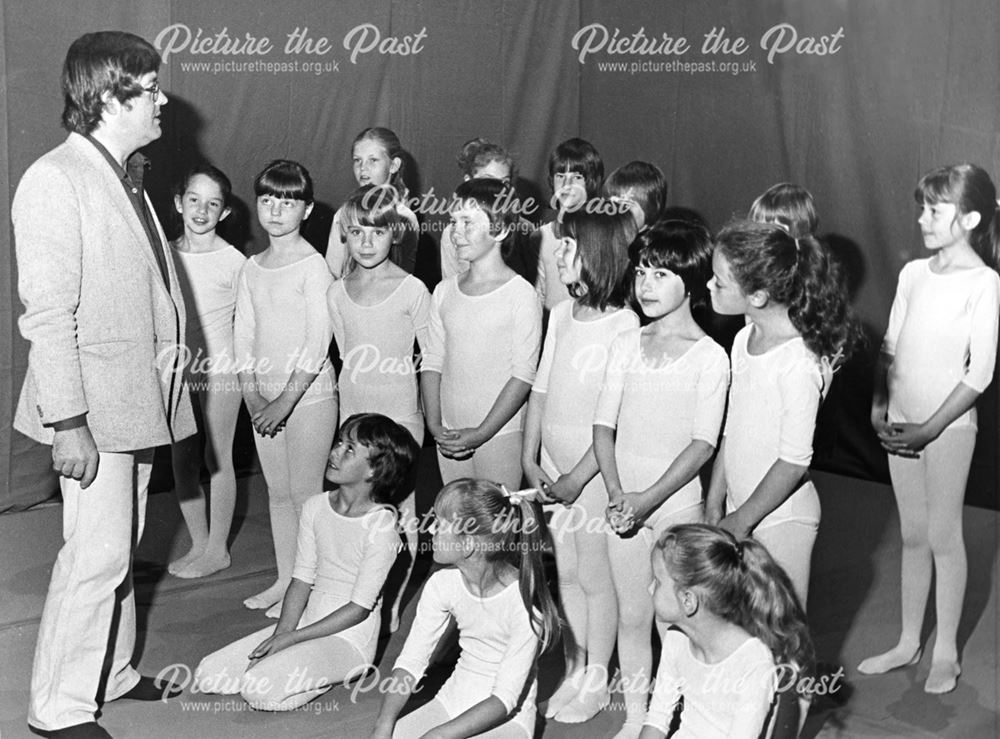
{"points": [[75, 455]]}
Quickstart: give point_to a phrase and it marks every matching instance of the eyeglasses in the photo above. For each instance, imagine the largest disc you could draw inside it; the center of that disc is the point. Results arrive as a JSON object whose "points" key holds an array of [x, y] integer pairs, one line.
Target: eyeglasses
{"points": [[153, 90]]}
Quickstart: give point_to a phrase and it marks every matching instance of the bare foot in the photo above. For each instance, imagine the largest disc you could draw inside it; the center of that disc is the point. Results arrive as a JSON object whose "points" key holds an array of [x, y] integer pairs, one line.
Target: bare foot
{"points": [[207, 564], [943, 677], [182, 562], [566, 692], [274, 611], [267, 598], [898, 656]]}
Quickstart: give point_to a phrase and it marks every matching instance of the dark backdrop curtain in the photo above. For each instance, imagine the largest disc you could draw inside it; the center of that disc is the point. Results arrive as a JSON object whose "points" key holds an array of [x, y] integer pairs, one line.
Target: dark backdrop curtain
{"points": [[914, 84]]}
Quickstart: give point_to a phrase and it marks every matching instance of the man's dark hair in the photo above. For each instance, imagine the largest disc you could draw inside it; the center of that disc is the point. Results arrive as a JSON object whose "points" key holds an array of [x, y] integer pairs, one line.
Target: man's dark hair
{"points": [[98, 63]]}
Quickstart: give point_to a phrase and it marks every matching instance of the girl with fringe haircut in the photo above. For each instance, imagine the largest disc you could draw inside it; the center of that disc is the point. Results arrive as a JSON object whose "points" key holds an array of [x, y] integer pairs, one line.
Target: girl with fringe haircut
{"points": [[494, 585], [937, 358], [799, 330], [737, 636], [592, 259], [379, 312], [377, 158], [656, 425]]}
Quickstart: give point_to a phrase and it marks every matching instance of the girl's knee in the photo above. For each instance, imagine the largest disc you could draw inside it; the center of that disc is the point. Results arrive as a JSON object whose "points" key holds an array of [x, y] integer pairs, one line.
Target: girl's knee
{"points": [[634, 616]]}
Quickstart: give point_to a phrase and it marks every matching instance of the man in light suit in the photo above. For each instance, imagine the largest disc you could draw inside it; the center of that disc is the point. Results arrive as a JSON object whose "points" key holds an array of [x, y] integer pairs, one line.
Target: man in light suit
{"points": [[104, 315]]}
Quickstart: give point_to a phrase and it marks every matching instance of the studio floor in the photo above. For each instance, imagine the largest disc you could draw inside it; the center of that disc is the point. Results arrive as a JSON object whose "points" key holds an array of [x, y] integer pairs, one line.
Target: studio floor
{"points": [[853, 609]]}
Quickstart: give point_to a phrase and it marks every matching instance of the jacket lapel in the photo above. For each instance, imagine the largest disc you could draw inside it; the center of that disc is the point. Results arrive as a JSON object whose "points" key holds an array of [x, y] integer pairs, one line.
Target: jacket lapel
{"points": [[124, 208]]}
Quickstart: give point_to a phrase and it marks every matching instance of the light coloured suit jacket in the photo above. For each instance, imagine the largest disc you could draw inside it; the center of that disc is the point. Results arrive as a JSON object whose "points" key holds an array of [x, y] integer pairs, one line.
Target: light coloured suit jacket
{"points": [[102, 324]]}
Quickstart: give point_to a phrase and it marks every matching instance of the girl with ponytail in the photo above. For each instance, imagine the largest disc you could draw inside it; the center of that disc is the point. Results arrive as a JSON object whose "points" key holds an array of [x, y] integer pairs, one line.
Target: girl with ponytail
{"points": [[799, 330], [492, 541], [738, 635], [937, 357]]}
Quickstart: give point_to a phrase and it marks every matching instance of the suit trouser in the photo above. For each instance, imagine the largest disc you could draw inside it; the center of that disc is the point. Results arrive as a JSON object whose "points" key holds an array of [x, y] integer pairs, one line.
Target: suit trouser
{"points": [[90, 606]]}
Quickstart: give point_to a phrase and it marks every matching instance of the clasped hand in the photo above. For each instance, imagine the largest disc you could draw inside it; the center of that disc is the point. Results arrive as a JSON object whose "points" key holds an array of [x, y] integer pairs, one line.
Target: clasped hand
{"points": [[903, 439], [271, 418], [457, 443]]}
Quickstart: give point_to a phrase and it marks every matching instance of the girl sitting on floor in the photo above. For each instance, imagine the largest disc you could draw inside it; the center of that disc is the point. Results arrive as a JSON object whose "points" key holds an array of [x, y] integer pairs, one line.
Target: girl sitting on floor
{"points": [[329, 623], [495, 588], [737, 635]]}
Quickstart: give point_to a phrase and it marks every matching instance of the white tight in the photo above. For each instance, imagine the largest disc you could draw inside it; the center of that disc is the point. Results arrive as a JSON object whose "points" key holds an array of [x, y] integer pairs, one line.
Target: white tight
{"points": [[586, 588], [498, 460], [930, 491], [219, 406], [430, 715], [284, 681], [790, 544], [293, 463], [632, 572]]}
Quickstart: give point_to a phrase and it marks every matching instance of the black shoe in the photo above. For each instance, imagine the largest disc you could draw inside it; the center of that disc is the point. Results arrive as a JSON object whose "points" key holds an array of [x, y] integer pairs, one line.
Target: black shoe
{"points": [[88, 730], [152, 689]]}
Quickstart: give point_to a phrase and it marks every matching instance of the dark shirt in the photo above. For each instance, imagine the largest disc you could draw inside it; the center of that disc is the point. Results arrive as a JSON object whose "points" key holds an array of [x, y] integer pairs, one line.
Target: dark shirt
{"points": [[132, 182]]}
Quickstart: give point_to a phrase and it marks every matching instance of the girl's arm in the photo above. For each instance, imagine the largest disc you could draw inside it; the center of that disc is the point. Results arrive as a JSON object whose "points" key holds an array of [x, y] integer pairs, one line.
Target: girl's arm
{"points": [[570, 484], [431, 364], [800, 387], [270, 419], [313, 356], [604, 453], [397, 693], [473, 721], [525, 342], [507, 404], [429, 625], [681, 471], [532, 442], [515, 668], [710, 407], [880, 394], [781, 480], [715, 500], [985, 316], [244, 328], [609, 403], [667, 688]]}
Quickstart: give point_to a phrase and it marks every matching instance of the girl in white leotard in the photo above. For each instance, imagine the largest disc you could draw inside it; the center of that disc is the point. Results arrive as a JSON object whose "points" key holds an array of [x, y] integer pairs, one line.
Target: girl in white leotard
{"points": [[799, 329], [208, 268], [592, 258], [656, 424], [379, 312], [937, 357], [347, 542], [495, 588]]}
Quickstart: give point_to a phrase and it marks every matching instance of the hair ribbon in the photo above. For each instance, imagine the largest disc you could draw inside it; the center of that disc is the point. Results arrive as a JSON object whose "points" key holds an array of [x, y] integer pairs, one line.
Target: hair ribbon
{"points": [[517, 496]]}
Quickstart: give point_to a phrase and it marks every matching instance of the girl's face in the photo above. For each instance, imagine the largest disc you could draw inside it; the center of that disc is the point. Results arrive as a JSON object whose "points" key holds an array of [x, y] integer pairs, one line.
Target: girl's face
{"points": [[495, 170], [281, 216], [470, 231], [202, 205], [658, 290], [348, 463], [727, 297], [568, 261], [570, 189], [448, 542], [666, 595], [940, 225], [369, 245], [626, 200], [372, 164]]}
